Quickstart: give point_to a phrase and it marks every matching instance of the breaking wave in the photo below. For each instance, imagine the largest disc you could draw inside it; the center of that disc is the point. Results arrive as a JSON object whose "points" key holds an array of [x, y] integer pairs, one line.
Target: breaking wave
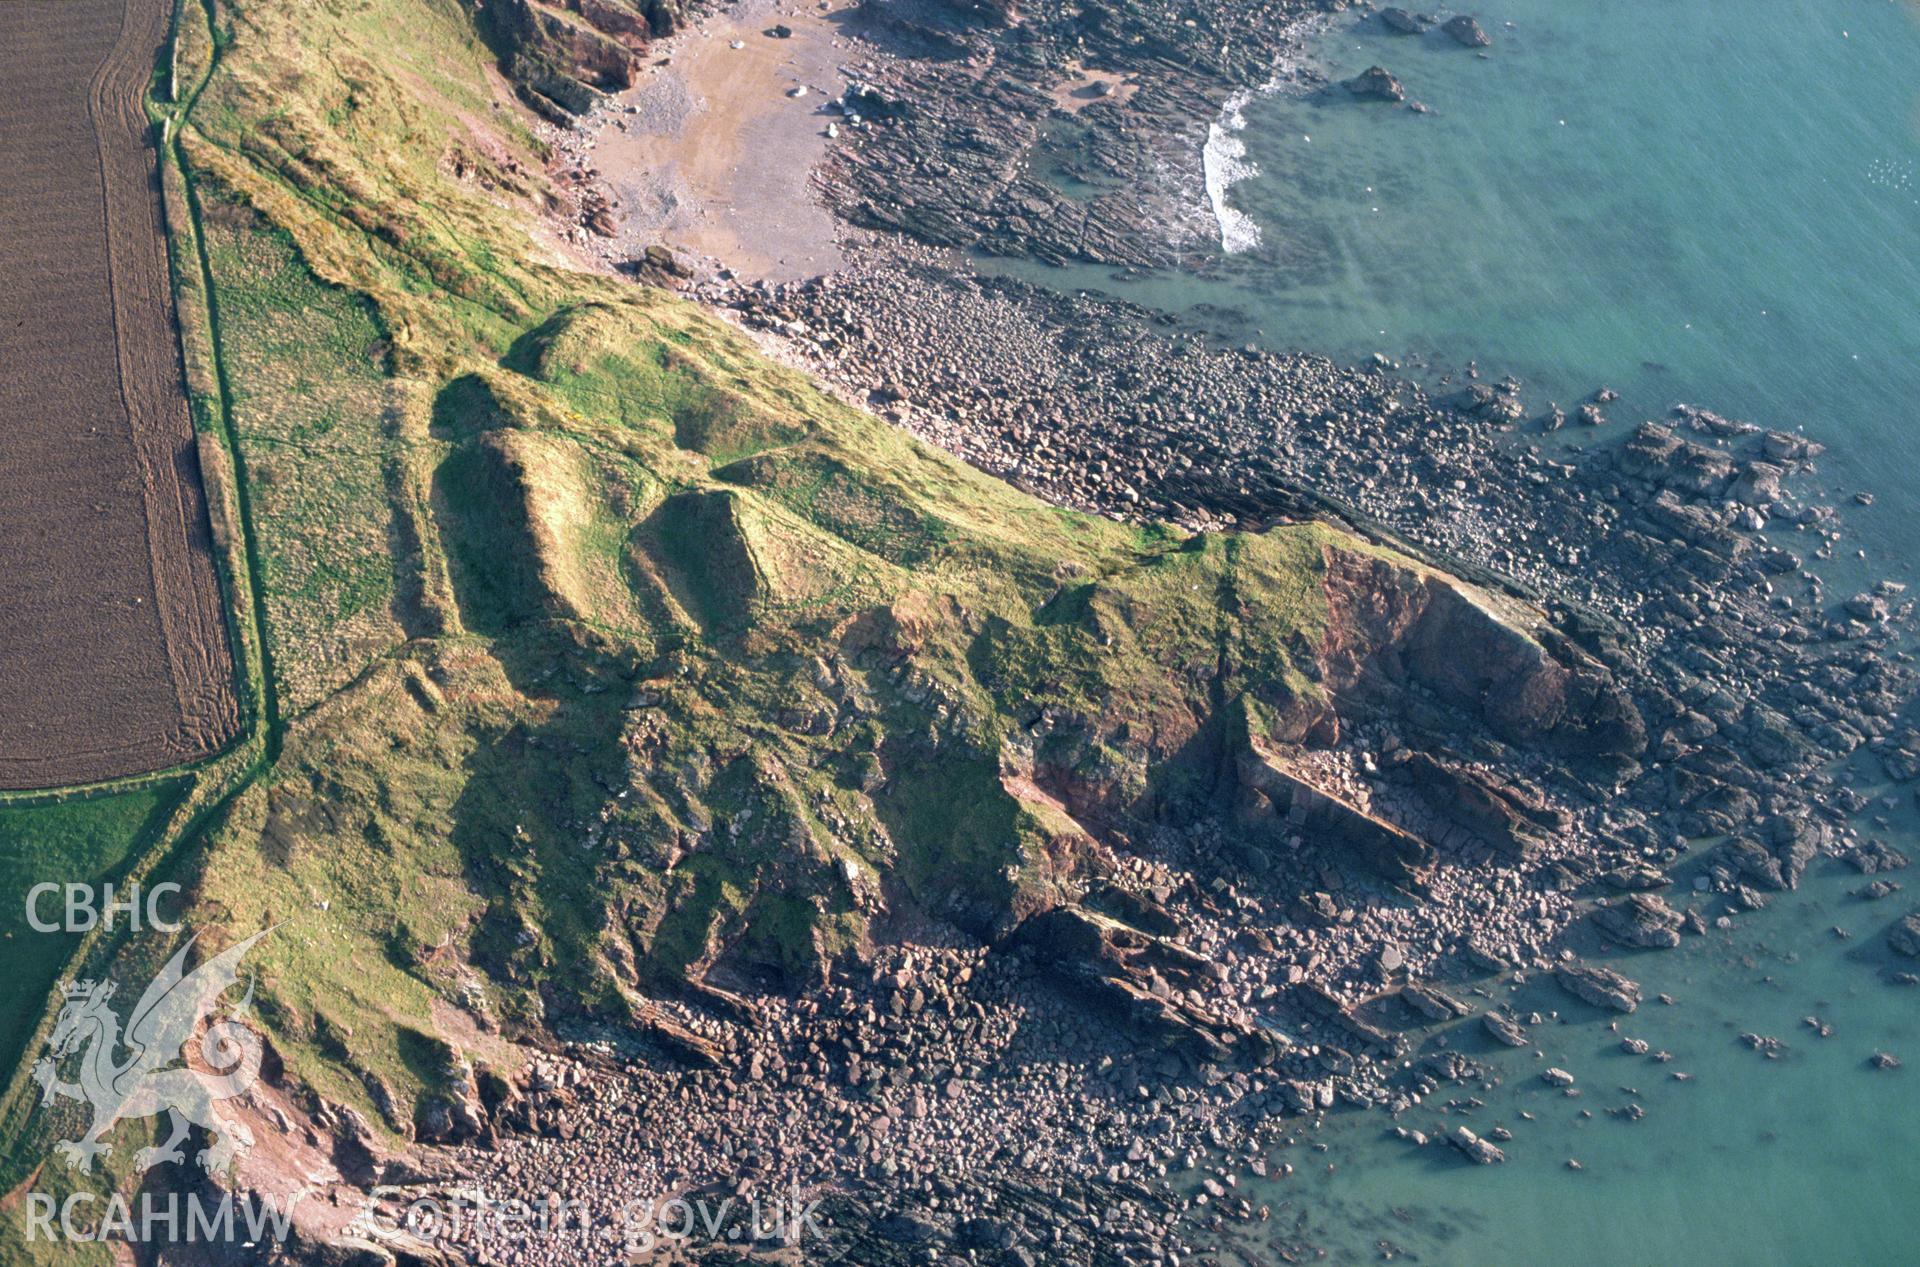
{"points": [[1226, 164]]}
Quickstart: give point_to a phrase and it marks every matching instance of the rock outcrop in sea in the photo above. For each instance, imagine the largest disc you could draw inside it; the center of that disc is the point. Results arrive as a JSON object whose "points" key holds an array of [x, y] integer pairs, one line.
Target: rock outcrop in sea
{"points": [[1375, 83], [1465, 29]]}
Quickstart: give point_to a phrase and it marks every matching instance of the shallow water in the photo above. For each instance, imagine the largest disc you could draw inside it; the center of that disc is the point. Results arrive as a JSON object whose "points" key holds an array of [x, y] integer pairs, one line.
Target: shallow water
{"points": [[1812, 1158], [1716, 202]]}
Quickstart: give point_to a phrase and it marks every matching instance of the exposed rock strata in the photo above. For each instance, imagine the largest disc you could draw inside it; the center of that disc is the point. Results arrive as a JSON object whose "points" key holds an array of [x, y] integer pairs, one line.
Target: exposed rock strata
{"points": [[561, 55], [1602, 987]]}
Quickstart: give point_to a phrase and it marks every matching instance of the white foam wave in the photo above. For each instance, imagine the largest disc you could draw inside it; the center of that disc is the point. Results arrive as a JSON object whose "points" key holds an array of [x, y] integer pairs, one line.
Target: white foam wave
{"points": [[1226, 164], [1225, 161]]}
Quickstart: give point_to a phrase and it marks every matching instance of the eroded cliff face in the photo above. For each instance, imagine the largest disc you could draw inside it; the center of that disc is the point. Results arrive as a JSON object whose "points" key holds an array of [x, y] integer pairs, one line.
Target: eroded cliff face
{"points": [[1392, 626], [1449, 668], [1304, 795], [561, 55]]}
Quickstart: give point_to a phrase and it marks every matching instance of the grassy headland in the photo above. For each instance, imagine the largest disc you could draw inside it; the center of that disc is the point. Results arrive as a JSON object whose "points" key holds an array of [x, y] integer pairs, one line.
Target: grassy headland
{"points": [[598, 654]]}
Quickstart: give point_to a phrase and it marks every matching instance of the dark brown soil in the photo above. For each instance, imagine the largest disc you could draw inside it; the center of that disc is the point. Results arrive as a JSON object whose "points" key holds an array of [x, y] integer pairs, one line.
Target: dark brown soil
{"points": [[114, 656]]}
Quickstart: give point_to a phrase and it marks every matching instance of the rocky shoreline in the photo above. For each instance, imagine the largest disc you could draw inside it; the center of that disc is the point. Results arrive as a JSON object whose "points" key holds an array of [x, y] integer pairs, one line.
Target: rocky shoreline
{"points": [[1097, 1087], [977, 156]]}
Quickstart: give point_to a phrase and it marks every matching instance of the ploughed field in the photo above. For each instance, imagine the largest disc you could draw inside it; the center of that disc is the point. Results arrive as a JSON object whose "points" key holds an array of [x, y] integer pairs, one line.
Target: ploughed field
{"points": [[114, 656]]}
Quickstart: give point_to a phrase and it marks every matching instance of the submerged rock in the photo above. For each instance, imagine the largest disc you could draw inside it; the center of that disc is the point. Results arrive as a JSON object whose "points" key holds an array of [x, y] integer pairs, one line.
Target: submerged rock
{"points": [[1402, 22], [1505, 1029], [1905, 936]]}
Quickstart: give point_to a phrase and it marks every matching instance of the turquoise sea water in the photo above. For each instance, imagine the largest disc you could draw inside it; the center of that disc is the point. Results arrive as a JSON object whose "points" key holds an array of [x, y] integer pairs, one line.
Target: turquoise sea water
{"points": [[1715, 201], [1813, 1158], [1711, 201], [1707, 201]]}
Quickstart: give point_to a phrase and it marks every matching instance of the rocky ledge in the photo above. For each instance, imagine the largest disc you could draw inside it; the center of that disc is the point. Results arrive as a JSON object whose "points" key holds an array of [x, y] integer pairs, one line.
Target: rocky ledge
{"points": [[965, 97]]}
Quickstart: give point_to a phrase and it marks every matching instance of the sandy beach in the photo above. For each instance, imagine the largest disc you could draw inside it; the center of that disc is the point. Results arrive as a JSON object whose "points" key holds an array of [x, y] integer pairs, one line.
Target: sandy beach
{"points": [[712, 151]]}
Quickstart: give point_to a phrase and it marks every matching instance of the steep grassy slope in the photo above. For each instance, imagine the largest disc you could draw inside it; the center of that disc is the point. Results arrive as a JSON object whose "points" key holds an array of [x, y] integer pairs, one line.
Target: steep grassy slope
{"points": [[608, 657], [726, 669]]}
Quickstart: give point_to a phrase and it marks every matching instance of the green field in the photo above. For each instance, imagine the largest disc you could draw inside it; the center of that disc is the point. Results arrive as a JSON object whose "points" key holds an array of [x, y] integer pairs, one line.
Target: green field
{"points": [[86, 841], [316, 420]]}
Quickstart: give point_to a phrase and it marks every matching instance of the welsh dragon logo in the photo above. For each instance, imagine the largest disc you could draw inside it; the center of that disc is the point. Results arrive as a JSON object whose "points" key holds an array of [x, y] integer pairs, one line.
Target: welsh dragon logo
{"points": [[157, 1035]]}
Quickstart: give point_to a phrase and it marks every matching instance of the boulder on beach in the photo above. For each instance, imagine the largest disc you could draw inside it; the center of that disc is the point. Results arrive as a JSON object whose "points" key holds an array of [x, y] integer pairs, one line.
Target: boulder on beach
{"points": [[1486, 956], [1641, 919], [1636, 878], [660, 261], [1376, 84], [1505, 1029], [1480, 399], [1467, 31], [1433, 1003], [869, 102]]}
